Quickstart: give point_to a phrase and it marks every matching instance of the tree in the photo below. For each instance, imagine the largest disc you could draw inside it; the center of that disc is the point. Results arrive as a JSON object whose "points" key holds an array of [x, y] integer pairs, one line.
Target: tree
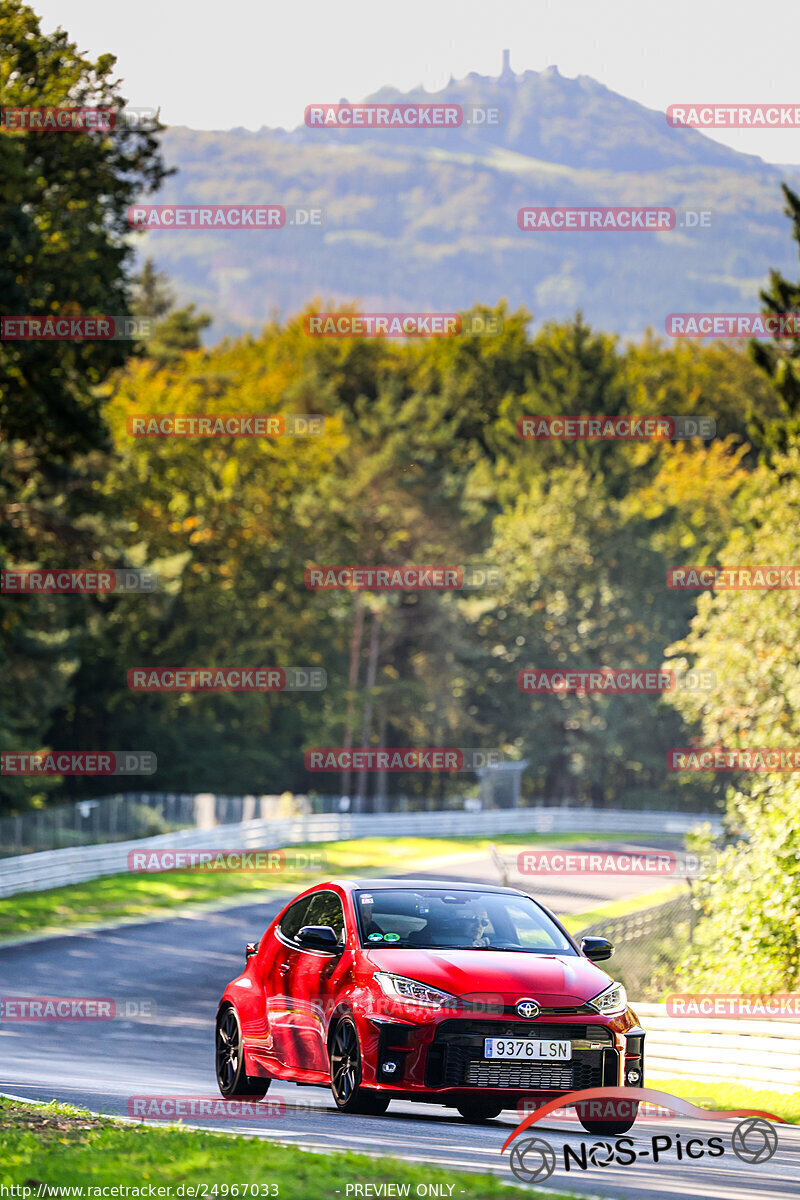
{"points": [[420, 463], [64, 244], [779, 358], [64, 250], [176, 329], [582, 587], [751, 903]]}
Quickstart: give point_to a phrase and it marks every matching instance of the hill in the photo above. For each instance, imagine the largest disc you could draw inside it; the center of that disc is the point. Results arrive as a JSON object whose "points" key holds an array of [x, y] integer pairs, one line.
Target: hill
{"points": [[426, 219]]}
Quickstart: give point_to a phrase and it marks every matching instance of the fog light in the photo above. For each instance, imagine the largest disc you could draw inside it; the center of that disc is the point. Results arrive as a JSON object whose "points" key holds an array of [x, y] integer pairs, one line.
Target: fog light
{"points": [[633, 1077], [390, 1067]]}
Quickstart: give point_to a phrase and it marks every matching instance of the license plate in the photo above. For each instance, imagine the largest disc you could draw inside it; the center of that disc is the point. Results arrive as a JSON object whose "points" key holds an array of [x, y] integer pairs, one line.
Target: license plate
{"points": [[530, 1048]]}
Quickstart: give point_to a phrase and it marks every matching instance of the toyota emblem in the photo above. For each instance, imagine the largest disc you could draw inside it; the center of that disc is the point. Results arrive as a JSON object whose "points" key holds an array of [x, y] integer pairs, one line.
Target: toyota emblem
{"points": [[527, 1008]]}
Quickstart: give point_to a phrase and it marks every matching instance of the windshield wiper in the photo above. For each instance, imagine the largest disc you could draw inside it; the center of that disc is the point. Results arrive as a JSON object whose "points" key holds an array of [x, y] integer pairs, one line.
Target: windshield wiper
{"points": [[500, 948]]}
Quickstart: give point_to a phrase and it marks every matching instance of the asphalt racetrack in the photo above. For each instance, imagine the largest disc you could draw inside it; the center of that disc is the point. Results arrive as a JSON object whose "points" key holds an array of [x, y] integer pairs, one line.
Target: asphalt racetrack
{"points": [[182, 965]]}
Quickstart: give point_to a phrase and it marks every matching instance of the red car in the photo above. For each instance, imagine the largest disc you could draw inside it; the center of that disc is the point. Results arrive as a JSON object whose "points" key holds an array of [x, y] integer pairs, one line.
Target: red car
{"points": [[452, 993]]}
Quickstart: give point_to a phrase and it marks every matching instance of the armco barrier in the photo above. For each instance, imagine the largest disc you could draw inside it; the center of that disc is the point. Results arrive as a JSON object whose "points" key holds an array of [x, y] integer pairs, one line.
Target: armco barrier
{"points": [[55, 868], [758, 1054]]}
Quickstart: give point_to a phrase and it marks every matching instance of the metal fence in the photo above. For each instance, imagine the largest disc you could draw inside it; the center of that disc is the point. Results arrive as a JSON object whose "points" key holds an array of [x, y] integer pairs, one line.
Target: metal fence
{"points": [[55, 868], [760, 1054], [87, 822], [648, 944], [132, 815], [144, 814]]}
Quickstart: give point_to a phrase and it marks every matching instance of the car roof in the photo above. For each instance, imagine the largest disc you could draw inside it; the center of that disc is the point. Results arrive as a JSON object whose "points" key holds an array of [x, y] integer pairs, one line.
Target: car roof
{"points": [[375, 885]]}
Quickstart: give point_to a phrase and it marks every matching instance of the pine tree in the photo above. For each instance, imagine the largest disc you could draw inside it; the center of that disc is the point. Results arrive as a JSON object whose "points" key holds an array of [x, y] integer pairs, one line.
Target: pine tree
{"points": [[780, 358]]}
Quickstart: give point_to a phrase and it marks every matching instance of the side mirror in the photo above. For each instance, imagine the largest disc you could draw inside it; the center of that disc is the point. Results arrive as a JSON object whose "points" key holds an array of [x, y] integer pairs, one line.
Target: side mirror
{"points": [[250, 949], [318, 937], [597, 948]]}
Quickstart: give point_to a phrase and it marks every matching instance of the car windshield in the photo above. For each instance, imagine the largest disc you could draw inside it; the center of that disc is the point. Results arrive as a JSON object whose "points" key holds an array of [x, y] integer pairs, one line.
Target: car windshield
{"points": [[437, 919]]}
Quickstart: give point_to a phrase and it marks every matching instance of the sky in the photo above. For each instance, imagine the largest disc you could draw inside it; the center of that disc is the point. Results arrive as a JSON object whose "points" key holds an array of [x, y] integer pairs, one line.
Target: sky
{"points": [[256, 62]]}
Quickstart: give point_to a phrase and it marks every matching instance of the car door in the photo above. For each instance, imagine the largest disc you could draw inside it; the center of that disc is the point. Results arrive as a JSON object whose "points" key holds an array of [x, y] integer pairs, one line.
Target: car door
{"points": [[313, 981], [279, 973]]}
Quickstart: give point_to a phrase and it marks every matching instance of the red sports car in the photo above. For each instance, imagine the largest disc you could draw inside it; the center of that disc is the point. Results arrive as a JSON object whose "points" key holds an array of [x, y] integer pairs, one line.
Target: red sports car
{"points": [[453, 993]]}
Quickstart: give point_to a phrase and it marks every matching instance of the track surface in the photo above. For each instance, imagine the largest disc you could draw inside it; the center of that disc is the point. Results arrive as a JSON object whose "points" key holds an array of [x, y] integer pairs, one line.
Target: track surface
{"points": [[183, 964]]}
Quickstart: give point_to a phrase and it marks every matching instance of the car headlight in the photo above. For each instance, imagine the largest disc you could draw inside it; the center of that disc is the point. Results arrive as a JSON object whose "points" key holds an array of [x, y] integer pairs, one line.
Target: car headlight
{"points": [[613, 999], [412, 992]]}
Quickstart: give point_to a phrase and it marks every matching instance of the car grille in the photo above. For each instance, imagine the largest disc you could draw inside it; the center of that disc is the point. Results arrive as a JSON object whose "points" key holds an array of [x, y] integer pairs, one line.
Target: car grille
{"points": [[456, 1057], [545, 1078]]}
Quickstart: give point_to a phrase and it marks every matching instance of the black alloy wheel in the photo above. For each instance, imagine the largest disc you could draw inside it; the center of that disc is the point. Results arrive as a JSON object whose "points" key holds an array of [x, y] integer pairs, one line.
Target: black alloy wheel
{"points": [[345, 1056], [231, 1079]]}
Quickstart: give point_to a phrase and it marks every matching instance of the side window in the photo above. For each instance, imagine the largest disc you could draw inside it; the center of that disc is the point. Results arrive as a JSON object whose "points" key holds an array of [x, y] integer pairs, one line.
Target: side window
{"points": [[295, 917], [326, 909]]}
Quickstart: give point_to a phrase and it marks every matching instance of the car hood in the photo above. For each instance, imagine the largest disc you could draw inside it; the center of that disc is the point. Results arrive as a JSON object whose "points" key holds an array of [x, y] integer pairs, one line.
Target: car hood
{"points": [[552, 980]]}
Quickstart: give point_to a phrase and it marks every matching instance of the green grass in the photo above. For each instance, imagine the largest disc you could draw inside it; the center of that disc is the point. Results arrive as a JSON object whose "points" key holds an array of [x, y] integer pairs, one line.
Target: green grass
{"points": [[57, 1144], [130, 896], [732, 1095], [623, 908]]}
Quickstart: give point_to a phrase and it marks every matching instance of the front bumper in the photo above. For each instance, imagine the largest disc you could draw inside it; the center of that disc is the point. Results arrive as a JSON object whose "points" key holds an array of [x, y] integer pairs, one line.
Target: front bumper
{"points": [[456, 1058], [445, 1058]]}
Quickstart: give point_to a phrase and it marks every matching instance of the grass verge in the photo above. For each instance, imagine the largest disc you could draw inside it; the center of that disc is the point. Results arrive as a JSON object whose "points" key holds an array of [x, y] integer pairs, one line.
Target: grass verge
{"points": [[623, 908], [129, 896], [731, 1095], [55, 1144]]}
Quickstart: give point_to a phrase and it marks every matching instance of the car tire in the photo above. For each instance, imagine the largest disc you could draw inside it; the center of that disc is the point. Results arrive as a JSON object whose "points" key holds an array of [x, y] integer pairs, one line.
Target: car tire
{"points": [[229, 1060], [611, 1128], [476, 1111], [345, 1059]]}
